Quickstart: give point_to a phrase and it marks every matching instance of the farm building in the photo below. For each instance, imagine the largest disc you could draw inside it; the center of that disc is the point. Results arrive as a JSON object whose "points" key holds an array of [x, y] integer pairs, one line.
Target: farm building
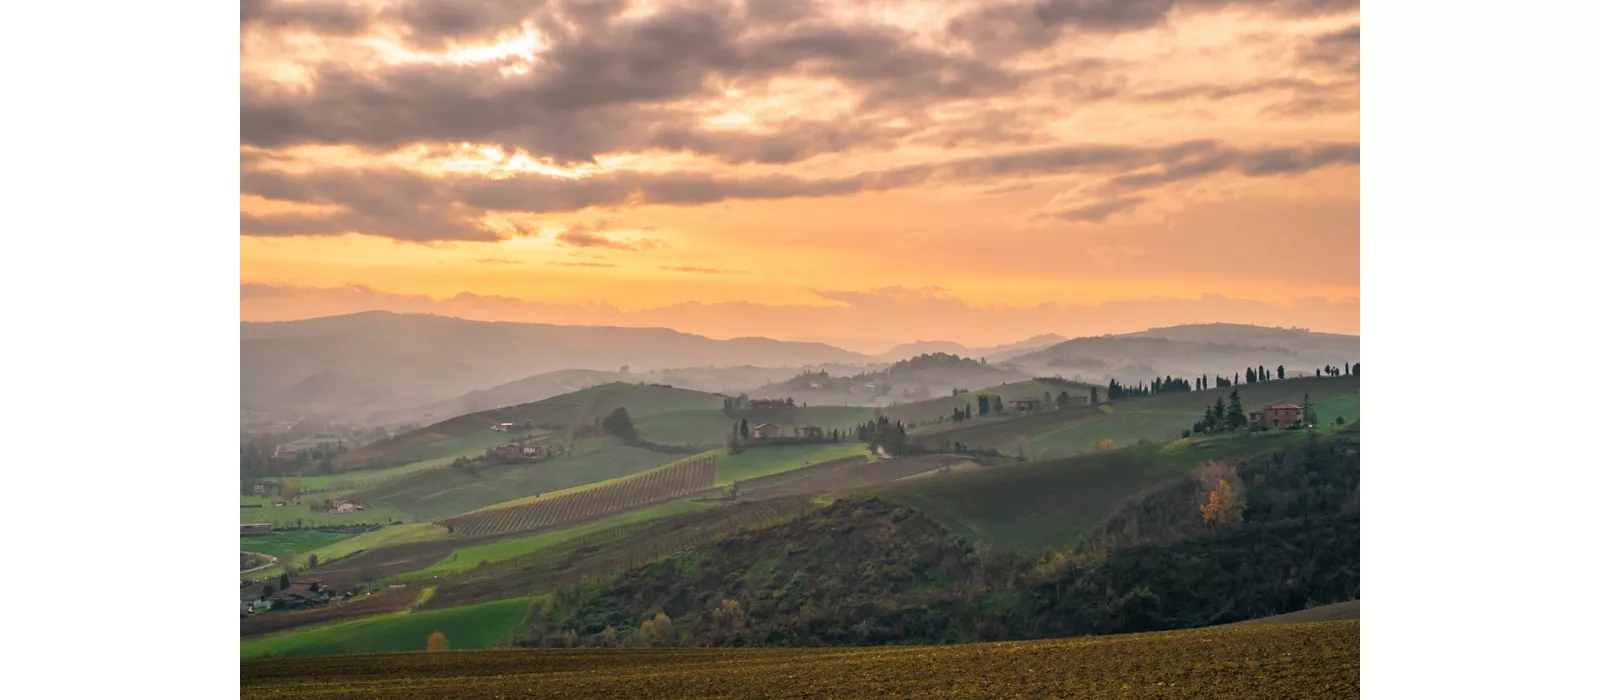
{"points": [[506, 451], [346, 507], [1026, 404], [255, 529], [530, 452], [503, 427], [300, 594], [1278, 415], [1075, 400], [766, 430], [808, 431]]}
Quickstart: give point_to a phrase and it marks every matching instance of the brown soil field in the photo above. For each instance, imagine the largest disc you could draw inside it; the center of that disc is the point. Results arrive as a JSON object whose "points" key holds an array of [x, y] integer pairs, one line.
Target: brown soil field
{"points": [[1318, 659]]}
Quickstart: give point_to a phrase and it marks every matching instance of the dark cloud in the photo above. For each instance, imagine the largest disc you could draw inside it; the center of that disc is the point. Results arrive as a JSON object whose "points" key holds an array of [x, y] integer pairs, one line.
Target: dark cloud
{"points": [[417, 208], [1340, 50], [619, 84], [1011, 28], [432, 24], [329, 17]]}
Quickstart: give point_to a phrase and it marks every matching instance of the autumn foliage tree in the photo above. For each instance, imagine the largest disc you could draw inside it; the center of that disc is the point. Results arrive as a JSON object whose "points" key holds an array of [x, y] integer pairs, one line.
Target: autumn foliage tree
{"points": [[1223, 508], [437, 642], [1105, 445]]}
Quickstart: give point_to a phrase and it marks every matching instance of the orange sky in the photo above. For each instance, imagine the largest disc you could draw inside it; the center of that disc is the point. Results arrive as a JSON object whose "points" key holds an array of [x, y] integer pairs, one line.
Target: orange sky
{"points": [[876, 171]]}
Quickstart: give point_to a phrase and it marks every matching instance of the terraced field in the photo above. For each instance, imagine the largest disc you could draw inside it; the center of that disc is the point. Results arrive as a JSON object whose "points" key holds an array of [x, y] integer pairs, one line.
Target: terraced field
{"points": [[608, 552], [442, 493], [673, 481], [1320, 659]]}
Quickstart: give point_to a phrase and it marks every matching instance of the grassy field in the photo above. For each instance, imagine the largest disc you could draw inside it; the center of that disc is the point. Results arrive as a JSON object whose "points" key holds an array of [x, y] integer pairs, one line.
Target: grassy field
{"points": [[441, 493], [1155, 418], [449, 437], [300, 542], [712, 426], [381, 537], [1320, 659], [468, 557], [941, 407], [762, 461], [304, 515], [469, 627], [1056, 502]]}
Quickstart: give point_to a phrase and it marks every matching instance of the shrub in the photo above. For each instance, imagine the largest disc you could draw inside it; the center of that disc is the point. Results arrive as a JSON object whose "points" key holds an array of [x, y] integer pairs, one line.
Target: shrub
{"points": [[437, 642]]}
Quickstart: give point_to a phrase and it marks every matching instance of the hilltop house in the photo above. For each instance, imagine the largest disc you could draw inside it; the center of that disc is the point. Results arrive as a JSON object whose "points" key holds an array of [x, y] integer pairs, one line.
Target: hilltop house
{"points": [[766, 430], [809, 431], [1026, 404], [1278, 415]]}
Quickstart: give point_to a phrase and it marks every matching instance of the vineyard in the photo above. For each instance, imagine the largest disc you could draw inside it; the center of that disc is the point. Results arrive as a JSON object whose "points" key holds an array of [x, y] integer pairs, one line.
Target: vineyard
{"points": [[675, 480], [578, 560]]}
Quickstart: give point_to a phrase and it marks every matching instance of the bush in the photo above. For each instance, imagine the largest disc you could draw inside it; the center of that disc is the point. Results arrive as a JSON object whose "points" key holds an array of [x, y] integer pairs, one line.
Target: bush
{"points": [[437, 642]]}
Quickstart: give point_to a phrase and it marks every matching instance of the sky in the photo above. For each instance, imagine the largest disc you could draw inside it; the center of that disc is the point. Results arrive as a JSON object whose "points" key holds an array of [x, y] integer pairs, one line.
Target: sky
{"points": [[853, 172]]}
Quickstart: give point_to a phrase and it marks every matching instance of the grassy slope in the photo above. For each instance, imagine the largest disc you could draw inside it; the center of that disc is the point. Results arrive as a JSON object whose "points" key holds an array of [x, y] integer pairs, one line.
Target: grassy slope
{"points": [[287, 515], [941, 407], [1272, 661], [469, 557], [762, 461], [442, 493], [381, 537], [469, 627], [1348, 610], [712, 426], [1155, 418], [300, 542], [1056, 502], [575, 408]]}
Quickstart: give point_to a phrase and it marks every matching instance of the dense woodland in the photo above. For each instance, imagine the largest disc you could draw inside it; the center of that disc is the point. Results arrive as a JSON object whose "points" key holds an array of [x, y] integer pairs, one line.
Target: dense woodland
{"points": [[1272, 534]]}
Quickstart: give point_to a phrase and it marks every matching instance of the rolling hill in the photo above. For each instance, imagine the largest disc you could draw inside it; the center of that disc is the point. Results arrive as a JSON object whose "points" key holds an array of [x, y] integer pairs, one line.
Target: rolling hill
{"points": [[347, 367], [1190, 351], [473, 432], [1158, 418]]}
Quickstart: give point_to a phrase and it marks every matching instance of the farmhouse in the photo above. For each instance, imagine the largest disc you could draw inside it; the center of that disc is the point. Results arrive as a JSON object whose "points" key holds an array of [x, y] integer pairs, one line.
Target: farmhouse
{"points": [[1278, 415], [506, 451], [809, 431], [1026, 404], [255, 529], [503, 427], [766, 430], [346, 507], [300, 594]]}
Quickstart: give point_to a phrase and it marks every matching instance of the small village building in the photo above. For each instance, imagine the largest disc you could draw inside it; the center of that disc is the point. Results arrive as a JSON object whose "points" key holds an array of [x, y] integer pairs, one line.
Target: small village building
{"points": [[1278, 415], [766, 430], [346, 507], [506, 451], [1026, 404], [503, 427]]}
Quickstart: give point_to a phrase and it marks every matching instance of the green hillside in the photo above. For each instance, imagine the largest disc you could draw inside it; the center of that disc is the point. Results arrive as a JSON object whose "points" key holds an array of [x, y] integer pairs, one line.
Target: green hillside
{"points": [[712, 427], [940, 408], [464, 434], [1154, 418], [762, 461], [468, 627], [1037, 505], [441, 493], [469, 557]]}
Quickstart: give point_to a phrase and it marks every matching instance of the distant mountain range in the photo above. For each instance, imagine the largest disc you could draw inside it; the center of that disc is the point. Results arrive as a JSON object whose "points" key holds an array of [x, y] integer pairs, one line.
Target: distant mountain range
{"points": [[387, 368]]}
